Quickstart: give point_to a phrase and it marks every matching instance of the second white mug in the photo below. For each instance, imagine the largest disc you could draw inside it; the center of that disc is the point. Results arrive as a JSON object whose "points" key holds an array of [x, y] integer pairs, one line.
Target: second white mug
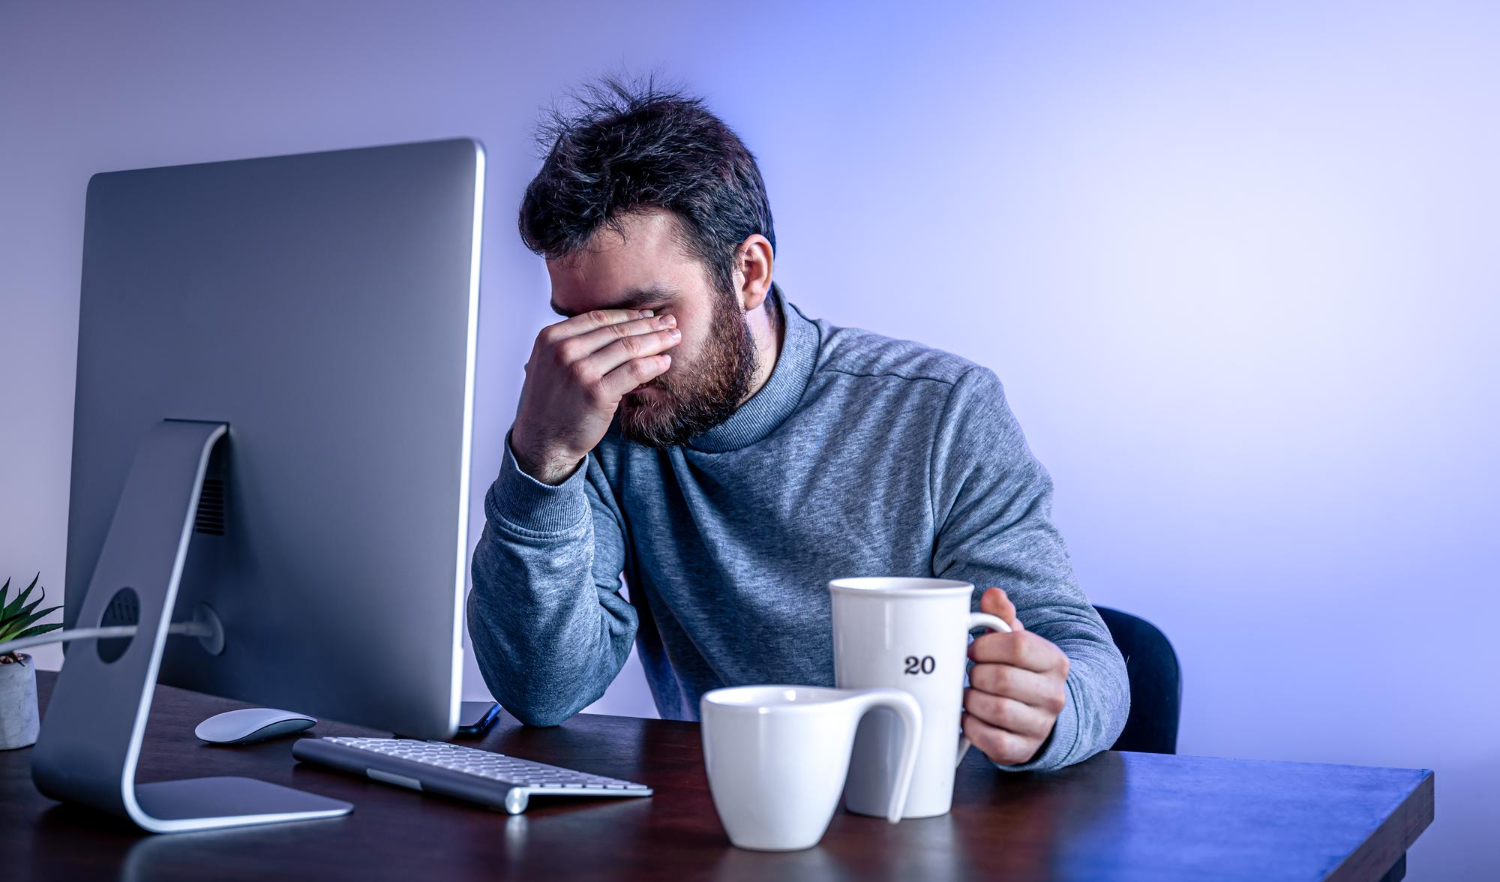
{"points": [[909, 634], [777, 758]]}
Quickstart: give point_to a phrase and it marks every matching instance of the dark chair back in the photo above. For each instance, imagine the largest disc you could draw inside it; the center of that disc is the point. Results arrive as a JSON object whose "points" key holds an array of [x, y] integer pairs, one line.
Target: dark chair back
{"points": [[1155, 683]]}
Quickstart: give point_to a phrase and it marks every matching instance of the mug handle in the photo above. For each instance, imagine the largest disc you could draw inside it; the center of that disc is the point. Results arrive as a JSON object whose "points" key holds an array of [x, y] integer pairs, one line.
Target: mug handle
{"points": [[906, 707], [994, 623]]}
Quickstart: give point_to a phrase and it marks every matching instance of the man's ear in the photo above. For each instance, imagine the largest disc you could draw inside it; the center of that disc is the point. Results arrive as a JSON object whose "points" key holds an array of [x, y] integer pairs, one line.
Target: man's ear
{"points": [[752, 271]]}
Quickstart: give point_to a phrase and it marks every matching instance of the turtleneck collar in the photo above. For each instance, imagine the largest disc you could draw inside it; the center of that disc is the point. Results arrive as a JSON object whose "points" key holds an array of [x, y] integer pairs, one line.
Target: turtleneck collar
{"points": [[778, 398]]}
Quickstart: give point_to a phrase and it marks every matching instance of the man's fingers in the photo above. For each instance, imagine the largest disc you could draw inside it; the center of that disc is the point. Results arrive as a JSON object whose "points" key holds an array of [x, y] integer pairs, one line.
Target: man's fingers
{"points": [[1008, 714], [633, 346], [593, 320], [633, 373], [995, 602], [1027, 687], [596, 340], [1005, 748], [1020, 648], [579, 347]]}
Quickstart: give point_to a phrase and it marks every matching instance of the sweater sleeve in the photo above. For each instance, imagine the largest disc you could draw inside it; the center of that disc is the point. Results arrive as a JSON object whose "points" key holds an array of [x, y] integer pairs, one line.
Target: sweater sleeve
{"points": [[549, 625], [993, 502]]}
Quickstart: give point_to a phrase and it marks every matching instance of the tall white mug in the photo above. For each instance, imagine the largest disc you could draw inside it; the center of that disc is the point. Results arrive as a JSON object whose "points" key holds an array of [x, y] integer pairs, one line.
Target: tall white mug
{"points": [[777, 757], [910, 634]]}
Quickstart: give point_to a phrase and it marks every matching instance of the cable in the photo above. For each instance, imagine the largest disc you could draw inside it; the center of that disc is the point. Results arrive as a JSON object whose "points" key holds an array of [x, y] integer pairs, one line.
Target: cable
{"points": [[181, 629]]}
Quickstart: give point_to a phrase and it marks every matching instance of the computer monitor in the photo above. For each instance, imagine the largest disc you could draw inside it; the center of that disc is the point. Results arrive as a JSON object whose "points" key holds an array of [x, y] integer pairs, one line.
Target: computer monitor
{"points": [[323, 307]]}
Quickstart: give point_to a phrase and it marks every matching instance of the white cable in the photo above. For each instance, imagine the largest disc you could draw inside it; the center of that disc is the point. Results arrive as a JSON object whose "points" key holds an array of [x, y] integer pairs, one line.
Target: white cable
{"points": [[184, 629]]}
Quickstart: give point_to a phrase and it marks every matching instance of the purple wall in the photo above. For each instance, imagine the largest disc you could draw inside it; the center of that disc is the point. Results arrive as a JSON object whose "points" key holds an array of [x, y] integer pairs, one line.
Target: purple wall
{"points": [[1238, 269]]}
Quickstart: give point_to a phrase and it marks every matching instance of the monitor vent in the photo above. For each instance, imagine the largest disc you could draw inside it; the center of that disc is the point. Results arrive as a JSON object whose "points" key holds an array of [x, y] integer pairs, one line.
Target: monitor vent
{"points": [[210, 519], [123, 609]]}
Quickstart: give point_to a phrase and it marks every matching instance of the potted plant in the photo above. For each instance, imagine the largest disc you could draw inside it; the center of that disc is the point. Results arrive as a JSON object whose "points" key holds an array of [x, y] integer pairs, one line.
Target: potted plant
{"points": [[19, 720]]}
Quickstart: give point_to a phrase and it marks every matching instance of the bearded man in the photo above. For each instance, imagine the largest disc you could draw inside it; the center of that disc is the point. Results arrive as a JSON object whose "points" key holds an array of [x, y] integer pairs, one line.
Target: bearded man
{"points": [[687, 426]]}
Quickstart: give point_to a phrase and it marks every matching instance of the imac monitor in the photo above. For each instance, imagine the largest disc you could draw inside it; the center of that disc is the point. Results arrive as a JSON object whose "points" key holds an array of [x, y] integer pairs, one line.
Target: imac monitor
{"points": [[323, 307]]}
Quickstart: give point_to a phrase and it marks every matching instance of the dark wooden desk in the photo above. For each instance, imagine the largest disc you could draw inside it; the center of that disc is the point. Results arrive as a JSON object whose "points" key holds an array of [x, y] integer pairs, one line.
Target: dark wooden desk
{"points": [[1119, 816]]}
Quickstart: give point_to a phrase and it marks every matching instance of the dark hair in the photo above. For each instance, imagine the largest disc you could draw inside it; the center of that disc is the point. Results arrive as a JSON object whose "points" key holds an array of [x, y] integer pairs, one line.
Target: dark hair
{"points": [[625, 146]]}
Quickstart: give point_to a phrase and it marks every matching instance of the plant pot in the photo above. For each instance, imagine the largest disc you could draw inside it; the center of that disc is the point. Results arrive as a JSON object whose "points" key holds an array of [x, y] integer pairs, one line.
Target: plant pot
{"points": [[19, 720]]}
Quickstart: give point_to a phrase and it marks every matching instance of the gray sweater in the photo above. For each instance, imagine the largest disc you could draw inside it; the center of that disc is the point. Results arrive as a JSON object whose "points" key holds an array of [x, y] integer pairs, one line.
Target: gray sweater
{"points": [[860, 456]]}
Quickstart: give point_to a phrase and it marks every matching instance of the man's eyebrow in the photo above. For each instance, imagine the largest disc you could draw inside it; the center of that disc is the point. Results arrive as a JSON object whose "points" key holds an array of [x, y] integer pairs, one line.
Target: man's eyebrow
{"points": [[632, 299]]}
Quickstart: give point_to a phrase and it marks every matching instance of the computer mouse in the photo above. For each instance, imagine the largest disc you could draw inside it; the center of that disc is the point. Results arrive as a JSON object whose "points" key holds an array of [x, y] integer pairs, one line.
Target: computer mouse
{"points": [[251, 724]]}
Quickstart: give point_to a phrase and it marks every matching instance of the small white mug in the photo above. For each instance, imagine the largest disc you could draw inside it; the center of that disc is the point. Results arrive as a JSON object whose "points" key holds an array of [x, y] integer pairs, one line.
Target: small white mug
{"points": [[909, 634], [777, 758]]}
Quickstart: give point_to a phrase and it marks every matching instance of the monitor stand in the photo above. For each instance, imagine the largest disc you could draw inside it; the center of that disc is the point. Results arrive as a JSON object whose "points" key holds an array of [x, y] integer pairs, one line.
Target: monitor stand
{"points": [[90, 739]]}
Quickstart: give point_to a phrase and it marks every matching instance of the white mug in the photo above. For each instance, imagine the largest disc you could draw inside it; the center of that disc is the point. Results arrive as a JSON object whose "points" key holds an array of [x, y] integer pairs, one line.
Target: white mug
{"points": [[909, 634], [777, 757]]}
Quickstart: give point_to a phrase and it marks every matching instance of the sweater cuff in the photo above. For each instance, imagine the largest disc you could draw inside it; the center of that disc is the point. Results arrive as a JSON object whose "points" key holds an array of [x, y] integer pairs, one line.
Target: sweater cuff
{"points": [[1054, 752], [520, 502]]}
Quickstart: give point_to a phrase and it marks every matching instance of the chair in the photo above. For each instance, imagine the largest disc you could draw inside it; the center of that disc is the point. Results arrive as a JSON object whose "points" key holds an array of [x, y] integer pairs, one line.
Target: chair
{"points": [[1155, 683]]}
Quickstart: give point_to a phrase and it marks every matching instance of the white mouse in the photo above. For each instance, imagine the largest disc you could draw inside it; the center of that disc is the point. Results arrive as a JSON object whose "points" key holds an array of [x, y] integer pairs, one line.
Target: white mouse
{"points": [[251, 724]]}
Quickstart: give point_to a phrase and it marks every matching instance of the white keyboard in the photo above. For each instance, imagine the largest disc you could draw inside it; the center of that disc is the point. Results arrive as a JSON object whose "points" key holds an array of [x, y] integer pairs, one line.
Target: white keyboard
{"points": [[481, 776]]}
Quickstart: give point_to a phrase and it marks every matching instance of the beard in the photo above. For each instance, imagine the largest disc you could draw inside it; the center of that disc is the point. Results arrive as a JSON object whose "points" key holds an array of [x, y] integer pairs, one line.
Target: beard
{"points": [[692, 398]]}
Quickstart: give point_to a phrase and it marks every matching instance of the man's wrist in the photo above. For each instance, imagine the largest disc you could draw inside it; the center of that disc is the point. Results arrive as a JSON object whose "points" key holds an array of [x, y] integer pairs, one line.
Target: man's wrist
{"points": [[550, 472], [548, 469], [518, 500]]}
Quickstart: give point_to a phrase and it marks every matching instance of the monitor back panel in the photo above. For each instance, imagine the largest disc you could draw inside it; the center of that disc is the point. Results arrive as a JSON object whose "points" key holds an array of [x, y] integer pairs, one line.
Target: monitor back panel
{"points": [[323, 306]]}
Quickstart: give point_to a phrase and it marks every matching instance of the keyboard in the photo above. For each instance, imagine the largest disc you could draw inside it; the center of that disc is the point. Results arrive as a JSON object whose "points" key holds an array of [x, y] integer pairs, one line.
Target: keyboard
{"points": [[482, 776]]}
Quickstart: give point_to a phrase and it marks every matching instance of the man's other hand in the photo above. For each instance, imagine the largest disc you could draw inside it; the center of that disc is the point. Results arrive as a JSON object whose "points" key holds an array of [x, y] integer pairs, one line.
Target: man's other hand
{"points": [[1016, 687]]}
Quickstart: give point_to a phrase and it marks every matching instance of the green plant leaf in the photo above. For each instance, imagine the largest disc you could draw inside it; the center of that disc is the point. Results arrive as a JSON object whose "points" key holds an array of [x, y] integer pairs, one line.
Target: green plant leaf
{"points": [[4, 589], [16, 604], [27, 621], [39, 629], [28, 608]]}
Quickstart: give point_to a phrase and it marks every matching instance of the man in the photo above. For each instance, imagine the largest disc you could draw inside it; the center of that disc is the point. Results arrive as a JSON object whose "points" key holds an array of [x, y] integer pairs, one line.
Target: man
{"points": [[687, 426]]}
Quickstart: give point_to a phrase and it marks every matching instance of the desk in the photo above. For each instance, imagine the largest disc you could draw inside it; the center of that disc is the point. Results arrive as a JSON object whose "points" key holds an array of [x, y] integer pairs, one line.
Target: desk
{"points": [[1118, 816]]}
